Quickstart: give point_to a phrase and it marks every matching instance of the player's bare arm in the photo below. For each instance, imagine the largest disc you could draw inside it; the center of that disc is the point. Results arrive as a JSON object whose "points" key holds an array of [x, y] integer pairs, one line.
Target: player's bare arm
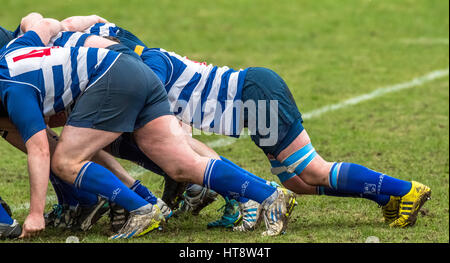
{"points": [[81, 23], [37, 145], [46, 28], [39, 169]]}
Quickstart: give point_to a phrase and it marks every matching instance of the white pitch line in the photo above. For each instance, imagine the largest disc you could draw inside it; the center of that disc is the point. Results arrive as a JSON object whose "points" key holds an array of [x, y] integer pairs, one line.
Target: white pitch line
{"points": [[379, 92], [425, 41], [437, 74], [26, 206]]}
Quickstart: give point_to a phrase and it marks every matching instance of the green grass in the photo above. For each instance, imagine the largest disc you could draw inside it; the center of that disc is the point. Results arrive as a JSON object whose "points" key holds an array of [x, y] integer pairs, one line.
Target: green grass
{"points": [[327, 51]]}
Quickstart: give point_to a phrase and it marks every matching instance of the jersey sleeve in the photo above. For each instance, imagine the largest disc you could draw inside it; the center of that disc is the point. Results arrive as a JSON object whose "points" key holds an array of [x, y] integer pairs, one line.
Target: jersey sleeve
{"points": [[69, 39], [29, 39], [159, 63], [111, 30], [103, 29], [22, 105], [18, 32]]}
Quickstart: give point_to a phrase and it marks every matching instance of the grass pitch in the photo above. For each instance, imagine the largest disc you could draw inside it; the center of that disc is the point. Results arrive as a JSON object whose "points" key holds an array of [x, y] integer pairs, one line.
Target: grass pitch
{"points": [[327, 51]]}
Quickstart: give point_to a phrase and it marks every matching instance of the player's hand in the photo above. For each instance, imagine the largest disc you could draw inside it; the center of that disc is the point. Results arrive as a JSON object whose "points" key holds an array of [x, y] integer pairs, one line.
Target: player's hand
{"points": [[99, 19], [81, 23], [33, 225], [30, 20]]}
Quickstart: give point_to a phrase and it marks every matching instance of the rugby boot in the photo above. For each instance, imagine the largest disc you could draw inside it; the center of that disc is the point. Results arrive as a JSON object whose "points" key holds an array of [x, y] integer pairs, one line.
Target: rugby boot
{"points": [[89, 215], [10, 231], [195, 199], [51, 216], [251, 216], [61, 216], [277, 212], [410, 205], [165, 209], [118, 216], [231, 215], [173, 192], [141, 222], [390, 210]]}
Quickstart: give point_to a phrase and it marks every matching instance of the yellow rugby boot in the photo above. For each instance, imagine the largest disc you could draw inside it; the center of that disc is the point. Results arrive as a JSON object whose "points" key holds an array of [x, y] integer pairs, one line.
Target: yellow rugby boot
{"points": [[390, 210], [410, 205]]}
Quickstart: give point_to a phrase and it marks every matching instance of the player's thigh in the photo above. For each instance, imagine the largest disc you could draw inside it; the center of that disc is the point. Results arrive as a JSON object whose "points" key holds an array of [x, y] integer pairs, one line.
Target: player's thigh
{"points": [[76, 146], [165, 143]]}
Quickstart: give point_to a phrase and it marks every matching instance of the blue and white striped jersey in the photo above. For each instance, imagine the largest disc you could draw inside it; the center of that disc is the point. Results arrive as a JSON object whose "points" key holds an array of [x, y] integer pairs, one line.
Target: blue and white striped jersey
{"points": [[206, 96], [58, 75]]}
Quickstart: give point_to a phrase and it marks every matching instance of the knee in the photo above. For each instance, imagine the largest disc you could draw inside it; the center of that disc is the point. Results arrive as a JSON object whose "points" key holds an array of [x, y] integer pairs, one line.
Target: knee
{"points": [[177, 174], [186, 170], [63, 168], [317, 172]]}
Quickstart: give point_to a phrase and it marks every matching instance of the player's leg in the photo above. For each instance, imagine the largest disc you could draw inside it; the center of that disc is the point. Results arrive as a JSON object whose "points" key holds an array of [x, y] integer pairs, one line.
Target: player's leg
{"points": [[72, 163], [162, 141], [92, 126], [294, 150], [197, 197], [349, 179], [9, 227], [124, 148], [105, 159], [389, 204], [75, 209]]}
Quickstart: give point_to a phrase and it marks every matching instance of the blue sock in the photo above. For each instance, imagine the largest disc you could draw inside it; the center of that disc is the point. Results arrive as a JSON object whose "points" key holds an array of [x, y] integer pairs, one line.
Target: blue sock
{"points": [[229, 181], [56, 186], [243, 199], [144, 192], [357, 179], [85, 198], [4, 217], [96, 179], [243, 170], [379, 199], [69, 195]]}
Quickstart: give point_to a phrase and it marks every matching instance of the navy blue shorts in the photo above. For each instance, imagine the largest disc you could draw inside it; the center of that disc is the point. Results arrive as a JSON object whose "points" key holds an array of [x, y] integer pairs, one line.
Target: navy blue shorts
{"points": [[126, 98], [262, 84]]}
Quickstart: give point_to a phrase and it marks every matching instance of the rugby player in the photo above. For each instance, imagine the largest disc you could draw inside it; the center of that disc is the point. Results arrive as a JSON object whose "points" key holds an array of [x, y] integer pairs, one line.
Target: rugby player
{"points": [[76, 209], [199, 92], [142, 109]]}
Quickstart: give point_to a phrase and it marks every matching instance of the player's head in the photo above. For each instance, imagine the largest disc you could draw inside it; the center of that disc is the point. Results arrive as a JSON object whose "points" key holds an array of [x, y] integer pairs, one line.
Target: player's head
{"points": [[5, 36]]}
